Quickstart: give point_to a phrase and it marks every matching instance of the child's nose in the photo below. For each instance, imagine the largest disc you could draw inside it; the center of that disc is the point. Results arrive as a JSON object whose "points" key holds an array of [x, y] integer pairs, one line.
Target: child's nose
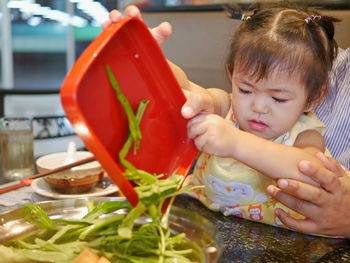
{"points": [[260, 106]]}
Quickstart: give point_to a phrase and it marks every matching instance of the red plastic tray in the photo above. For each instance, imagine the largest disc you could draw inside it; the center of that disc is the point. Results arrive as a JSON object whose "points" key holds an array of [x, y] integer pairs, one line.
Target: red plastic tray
{"points": [[143, 74]]}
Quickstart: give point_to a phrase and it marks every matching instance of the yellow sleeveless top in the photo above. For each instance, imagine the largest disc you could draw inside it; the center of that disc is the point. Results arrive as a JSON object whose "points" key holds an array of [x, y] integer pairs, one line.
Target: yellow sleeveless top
{"points": [[236, 189]]}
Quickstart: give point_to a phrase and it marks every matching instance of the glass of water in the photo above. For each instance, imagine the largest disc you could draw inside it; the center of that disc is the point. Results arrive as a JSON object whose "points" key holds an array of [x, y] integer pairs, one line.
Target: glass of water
{"points": [[16, 148]]}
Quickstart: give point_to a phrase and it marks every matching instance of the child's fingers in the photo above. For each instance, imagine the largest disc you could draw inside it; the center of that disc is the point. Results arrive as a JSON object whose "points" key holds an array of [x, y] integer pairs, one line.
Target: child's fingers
{"points": [[161, 32], [187, 112], [190, 109], [193, 106], [198, 119], [106, 24], [115, 16], [200, 142], [133, 11], [196, 127]]}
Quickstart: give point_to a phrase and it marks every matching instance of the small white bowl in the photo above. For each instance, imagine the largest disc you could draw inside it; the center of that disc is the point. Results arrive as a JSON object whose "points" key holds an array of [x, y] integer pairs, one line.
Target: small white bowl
{"points": [[79, 179]]}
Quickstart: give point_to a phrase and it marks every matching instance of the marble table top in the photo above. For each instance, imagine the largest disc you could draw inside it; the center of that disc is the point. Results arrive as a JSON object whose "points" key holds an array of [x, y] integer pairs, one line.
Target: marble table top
{"points": [[243, 240]]}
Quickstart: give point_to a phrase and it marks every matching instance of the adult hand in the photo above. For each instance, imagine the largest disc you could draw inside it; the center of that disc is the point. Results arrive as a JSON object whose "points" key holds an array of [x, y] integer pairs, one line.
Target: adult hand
{"points": [[160, 32], [326, 209]]}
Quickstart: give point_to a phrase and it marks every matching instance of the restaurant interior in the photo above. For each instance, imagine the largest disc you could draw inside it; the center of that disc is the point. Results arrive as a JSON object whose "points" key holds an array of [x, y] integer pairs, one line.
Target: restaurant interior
{"points": [[41, 41]]}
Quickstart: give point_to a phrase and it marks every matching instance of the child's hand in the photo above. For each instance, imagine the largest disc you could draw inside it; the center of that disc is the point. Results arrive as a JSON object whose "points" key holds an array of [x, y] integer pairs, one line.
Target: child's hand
{"points": [[160, 32], [198, 101], [212, 134]]}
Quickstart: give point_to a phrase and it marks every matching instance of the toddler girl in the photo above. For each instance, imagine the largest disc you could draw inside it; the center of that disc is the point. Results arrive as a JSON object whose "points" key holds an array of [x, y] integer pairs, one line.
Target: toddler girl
{"points": [[278, 65]]}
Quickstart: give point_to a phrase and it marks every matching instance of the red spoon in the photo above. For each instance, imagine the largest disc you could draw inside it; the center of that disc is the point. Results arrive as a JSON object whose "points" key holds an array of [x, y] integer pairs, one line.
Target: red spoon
{"points": [[143, 74]]}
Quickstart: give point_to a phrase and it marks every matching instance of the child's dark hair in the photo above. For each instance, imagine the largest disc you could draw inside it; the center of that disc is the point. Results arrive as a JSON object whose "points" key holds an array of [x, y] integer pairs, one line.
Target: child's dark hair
{"points": [[285, 37]]}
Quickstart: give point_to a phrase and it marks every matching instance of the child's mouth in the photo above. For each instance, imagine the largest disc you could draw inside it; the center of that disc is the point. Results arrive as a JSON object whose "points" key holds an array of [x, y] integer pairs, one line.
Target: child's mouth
{"points": [[257, 125]]}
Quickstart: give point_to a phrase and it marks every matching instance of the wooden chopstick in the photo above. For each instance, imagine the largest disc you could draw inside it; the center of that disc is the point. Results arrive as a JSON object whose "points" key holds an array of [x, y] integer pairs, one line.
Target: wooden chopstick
{"points": [[28, 181]]}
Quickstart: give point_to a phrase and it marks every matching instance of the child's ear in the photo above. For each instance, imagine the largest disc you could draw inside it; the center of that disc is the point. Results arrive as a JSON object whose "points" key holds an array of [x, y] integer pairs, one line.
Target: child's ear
{"points": [[318, 100], [309, 107], [312, 105]]}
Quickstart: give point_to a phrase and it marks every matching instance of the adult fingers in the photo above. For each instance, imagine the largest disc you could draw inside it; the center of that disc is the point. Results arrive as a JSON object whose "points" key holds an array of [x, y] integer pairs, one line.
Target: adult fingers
{"points": [[300, 225], [327, 179], [331, 164], [293, 200]]}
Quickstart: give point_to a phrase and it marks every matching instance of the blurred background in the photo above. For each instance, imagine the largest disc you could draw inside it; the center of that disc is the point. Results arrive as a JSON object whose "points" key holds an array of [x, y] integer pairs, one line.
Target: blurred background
{"points": [[41, 40]]}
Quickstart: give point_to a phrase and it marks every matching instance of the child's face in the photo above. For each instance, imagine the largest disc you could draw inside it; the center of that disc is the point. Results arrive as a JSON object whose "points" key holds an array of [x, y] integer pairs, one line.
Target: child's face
{"points": [[269, 107]]}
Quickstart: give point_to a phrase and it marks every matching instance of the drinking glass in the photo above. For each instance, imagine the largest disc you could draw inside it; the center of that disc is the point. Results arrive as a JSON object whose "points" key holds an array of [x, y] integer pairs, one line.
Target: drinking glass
{"points": [[16, 148]]}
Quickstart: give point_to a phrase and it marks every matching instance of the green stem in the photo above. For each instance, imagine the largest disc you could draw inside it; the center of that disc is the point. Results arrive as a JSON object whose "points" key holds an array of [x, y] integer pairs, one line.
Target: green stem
{"points": [[133, 123], [162, 244]]}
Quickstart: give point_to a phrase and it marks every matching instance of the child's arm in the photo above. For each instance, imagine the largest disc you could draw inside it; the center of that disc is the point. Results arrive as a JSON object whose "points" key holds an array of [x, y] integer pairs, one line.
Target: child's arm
{"points": [[216, 136], [276, 160], [199, 99], [207, 100]]}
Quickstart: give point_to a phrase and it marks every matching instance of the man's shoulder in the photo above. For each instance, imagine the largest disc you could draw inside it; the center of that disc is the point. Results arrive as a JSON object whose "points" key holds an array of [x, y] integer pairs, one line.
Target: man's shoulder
{"points": [[342, 61], [340, 76]]}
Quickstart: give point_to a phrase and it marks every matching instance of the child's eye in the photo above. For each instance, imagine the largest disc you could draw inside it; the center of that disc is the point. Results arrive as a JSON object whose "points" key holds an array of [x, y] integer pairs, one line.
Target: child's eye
{"points": [[243, 91], [279, 100]]}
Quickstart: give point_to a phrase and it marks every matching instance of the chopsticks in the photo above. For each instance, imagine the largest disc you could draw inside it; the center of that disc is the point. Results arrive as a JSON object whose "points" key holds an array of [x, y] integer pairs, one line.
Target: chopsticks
{"points": [[28, 181]]}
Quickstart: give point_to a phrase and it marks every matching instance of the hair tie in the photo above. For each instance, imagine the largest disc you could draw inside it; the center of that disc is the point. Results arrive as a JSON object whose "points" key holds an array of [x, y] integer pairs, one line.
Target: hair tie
{"points": [[312, 18], [245, 18]]}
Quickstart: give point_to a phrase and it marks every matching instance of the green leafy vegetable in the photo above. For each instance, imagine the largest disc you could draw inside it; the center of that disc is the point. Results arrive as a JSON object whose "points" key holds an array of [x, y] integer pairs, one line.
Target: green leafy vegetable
{"points": [[133, 125], [37, 216]]}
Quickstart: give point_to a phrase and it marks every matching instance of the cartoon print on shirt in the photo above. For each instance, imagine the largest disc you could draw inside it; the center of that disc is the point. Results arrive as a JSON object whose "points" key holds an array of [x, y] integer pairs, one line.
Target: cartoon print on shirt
{"points": [[229, 189], [255, 212], [200, 166], [232, 210]]}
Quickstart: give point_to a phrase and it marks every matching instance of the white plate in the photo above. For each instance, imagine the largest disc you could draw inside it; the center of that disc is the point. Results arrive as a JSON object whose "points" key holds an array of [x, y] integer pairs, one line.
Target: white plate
{"points": [[42, 188]]}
